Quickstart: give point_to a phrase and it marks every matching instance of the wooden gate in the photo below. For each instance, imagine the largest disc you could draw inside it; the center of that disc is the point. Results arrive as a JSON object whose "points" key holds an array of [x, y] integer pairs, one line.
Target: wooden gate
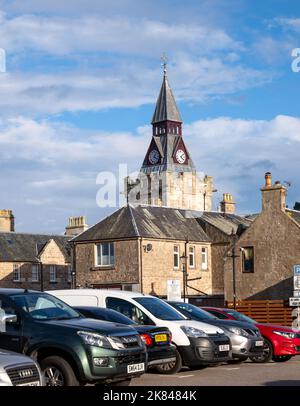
{"points": [[265, 311]]}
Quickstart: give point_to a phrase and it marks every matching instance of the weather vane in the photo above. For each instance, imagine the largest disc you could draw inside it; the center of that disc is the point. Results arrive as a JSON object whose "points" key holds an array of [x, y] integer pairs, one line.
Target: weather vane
{"points": [[164, 61]]}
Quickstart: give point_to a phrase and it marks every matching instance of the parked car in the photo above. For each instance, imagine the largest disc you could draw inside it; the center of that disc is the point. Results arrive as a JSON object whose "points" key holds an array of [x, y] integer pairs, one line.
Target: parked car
{"points": [[158, 340], [246, 340], [197, 343], [280, 343], [70, 348], [19, 370]]}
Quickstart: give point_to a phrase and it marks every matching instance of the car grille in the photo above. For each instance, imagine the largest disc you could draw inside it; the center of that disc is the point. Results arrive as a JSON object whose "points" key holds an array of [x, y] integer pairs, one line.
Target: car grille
{"points": [[130, 341], [252, 332], [131, 359], [23, 374]]}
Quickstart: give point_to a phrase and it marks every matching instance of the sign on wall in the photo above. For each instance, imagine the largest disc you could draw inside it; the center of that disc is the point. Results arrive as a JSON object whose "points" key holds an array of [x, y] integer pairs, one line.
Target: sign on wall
{"points": [[174, 289]]}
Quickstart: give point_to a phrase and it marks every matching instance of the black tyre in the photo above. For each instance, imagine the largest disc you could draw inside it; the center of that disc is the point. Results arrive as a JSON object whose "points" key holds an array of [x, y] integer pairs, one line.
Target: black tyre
{"points": [[58, 372], [281, 358], [171, 367], [267, 354]]}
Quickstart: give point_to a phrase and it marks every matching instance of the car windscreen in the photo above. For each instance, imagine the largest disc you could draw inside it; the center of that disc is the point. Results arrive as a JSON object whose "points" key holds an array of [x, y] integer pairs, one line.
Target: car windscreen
{"points": [[107, 315], [41, 306], [239, 316], [159, 308], [194, 312]]}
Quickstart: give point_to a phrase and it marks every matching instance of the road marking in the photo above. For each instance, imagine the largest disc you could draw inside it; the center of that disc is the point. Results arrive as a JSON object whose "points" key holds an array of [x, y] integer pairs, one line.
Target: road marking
{"points": [[231, 369], [184, 376]]}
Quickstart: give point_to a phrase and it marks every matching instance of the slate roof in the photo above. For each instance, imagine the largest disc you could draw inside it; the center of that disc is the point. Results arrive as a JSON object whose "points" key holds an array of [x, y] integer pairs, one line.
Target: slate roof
{"points": [[22, 247], [166, 108], [147, 222], [225, 222], [294, 214]]}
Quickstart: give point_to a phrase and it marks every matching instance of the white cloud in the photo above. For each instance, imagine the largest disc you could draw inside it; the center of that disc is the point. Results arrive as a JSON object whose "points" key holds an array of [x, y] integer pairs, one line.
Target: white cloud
{"points": [[52, 168]]}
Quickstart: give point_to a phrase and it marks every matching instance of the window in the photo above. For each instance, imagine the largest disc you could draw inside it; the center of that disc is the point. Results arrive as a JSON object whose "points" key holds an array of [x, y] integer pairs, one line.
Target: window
{"points": [[129, 310], [52, 274], [16, 273], [192, 257], [105, 254], [176, 256], [159, 308], [160, 191], [248, 259], [204, 259], [35, 273]]}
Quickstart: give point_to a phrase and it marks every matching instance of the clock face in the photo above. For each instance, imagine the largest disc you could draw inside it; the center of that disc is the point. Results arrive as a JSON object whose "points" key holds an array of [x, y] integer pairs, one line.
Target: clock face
{"points": [[153, 157], [180, 156]]}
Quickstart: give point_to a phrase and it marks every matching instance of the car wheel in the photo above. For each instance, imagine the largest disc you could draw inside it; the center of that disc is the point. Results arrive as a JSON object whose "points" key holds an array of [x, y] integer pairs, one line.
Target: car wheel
{"points": [[237, 360], [58, 372], [267, 354], [171, 367], [281, 358]]}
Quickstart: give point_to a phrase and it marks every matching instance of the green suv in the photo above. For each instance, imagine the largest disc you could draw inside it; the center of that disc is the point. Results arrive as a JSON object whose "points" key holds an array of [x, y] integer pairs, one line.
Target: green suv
{"points": [[71, 349]]}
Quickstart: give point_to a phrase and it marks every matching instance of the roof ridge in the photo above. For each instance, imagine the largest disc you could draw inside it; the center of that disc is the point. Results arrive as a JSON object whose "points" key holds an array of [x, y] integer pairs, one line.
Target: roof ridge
{"points": [[133, 220]]}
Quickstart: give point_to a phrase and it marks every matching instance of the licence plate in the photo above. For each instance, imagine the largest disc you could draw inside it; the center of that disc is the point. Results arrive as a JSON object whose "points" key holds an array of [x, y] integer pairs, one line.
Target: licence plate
{"points": [[259, 343], [161, 338], [36, 383], [135, 368], [225, 347]]}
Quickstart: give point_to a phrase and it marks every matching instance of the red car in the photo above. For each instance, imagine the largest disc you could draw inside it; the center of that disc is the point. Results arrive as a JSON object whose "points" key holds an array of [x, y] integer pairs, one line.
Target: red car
{"points": [[281, 343]]}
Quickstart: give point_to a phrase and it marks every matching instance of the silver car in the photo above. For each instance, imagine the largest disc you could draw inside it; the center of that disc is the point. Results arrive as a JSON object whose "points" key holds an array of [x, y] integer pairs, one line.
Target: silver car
{"points": [[19, 370], [246, 340]]}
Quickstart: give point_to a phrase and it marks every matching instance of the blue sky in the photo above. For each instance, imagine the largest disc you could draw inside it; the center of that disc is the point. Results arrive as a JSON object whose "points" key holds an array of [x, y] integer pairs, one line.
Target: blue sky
{"points": [[82, 81]]}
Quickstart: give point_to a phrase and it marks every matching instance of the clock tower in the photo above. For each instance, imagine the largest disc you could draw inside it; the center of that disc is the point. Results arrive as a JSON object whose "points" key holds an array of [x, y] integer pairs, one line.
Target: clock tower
{"points": [[168, 176]]}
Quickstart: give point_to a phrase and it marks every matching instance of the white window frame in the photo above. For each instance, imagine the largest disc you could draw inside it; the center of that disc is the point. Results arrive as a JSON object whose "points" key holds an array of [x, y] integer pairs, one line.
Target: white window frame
{"points": [[111, 263], [176, 253], [192, 255], [52, 272], [204, 264], [34, 273], [16, 271]]}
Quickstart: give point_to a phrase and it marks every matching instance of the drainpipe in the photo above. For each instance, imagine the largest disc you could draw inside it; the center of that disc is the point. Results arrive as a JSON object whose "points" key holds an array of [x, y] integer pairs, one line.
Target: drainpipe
{"points": [[141, 264]]}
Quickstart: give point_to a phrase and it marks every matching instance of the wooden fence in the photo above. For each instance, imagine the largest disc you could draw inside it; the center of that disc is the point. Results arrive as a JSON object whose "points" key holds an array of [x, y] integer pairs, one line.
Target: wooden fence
{"points": [[266, 311]]}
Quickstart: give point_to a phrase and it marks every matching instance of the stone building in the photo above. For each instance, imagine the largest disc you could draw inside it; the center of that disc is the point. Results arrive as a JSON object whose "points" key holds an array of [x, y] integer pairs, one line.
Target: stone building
{"points": [[267, 250], [141, 247], [168, 176], [34, 261]]}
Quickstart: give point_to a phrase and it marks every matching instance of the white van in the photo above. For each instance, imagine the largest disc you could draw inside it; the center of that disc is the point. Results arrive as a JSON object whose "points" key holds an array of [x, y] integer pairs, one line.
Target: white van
{"points": [[197, 343]]}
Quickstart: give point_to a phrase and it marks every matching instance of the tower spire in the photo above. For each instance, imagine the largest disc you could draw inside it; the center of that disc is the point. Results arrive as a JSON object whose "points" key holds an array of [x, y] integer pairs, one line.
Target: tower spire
{"points": [[166, 108]]}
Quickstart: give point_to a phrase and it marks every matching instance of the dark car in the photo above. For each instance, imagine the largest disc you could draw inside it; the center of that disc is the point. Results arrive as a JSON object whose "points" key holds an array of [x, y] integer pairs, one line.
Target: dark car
{"points": [[71, 349], [245, 338], [158, 340], [281, 343]]}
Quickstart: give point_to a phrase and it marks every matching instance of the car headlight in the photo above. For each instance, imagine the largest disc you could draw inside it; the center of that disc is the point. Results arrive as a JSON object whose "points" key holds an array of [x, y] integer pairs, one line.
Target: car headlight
{"points": [[98, 340], [285, 334], [238, 331], [193, 332]]}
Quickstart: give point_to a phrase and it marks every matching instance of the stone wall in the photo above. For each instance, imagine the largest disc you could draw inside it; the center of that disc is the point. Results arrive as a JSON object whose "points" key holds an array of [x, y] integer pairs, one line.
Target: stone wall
{"points": [[275, 238], [126, 269], [158, 267]]}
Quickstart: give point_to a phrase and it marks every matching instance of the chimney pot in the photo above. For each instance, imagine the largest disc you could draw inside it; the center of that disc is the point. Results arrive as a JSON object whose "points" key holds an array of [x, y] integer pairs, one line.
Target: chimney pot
{"points": [[268, 178]]}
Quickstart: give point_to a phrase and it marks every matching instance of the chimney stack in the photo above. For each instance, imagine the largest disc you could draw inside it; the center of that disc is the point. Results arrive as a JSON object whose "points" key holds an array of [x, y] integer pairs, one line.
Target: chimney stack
{"points": [[77, 225], [227, 205], [7, 221], [273, 196]]}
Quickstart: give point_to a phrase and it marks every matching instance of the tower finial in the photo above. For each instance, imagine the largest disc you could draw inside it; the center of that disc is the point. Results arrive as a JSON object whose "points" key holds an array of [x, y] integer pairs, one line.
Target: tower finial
{"points": [[164, 61]]}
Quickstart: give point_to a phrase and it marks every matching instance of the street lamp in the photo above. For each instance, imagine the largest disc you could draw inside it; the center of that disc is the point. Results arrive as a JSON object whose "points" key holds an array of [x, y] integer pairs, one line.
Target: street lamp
{"points": [[73, 281], [183, 260]]}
